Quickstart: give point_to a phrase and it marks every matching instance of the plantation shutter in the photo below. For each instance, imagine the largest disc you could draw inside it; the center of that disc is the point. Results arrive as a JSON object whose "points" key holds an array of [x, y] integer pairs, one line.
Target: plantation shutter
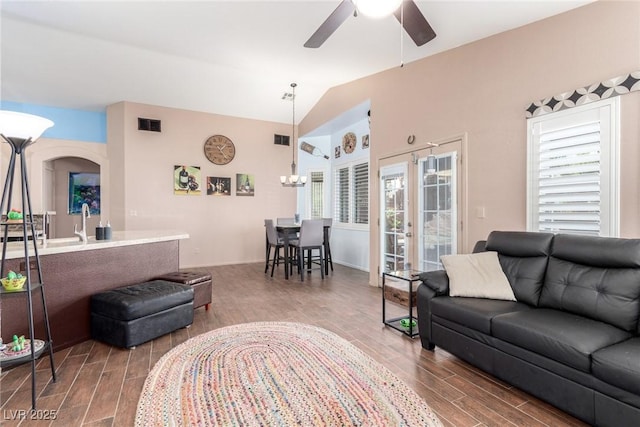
{"points": [[573, 181], [317, 195], [361, 193], [342, 195], [569, 180]]}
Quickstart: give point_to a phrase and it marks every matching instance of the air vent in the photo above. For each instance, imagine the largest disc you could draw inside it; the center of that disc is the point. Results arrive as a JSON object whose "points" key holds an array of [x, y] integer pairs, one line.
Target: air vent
{"points": [[281, 139], [151, 125]]}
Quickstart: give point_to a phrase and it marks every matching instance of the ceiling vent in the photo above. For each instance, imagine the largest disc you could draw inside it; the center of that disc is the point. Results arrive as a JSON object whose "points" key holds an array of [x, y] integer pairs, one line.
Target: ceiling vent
{"points": [[151, 125]]}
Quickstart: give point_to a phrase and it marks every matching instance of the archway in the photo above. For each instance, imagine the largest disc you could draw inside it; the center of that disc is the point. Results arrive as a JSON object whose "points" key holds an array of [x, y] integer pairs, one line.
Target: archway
{"points": [[47, 156]]}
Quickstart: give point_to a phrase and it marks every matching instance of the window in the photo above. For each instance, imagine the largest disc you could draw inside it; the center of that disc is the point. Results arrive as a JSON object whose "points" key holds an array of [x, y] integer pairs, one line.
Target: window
{"points": [[361, 193], [316, 195], [352, 194], [573, 170]]}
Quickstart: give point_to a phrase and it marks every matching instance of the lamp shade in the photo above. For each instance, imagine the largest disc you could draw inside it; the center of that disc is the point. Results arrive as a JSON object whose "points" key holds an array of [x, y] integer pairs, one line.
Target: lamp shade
{"points": [[22, 125], [431, 164], [377, 8]]}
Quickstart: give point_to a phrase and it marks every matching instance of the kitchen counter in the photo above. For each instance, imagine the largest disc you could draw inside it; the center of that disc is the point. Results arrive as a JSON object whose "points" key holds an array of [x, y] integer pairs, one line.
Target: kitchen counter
{"points": [[72, 271], [73, 244]]}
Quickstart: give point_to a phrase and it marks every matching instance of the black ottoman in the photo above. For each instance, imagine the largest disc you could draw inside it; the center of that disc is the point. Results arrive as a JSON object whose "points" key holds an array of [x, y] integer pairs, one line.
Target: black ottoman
{"points": [[132, 315], [200, 282]]}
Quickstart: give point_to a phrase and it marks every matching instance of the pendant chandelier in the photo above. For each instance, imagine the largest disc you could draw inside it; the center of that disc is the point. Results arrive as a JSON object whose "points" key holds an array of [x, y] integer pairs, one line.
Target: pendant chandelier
{"points": [[293, 180]]}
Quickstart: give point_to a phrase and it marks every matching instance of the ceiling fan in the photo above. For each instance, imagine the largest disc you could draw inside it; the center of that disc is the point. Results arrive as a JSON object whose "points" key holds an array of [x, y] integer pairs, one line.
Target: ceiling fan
{"points": [[405, 11]]}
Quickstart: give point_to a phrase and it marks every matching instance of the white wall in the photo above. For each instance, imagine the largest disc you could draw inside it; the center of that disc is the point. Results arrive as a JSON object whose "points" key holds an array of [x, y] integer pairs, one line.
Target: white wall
{"points": [[311, 163], [350, 243]]}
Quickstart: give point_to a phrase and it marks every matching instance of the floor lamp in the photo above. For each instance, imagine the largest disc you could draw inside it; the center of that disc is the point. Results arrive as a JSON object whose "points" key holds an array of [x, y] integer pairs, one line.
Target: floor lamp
{"points": [[20, 130]]}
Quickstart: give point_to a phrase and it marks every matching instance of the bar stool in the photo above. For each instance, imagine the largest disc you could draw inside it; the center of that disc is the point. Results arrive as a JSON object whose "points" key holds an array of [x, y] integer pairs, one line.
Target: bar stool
{"points": [[311, 238], [274, 241]]}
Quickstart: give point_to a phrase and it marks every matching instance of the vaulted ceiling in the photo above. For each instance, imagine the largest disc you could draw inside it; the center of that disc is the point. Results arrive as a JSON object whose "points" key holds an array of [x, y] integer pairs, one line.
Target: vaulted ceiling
{"points": [[234, 58]]}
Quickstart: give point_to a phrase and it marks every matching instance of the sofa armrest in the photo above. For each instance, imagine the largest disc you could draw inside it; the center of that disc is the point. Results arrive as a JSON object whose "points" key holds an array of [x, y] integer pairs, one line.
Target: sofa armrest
{"points": [[437, 281], [480, 246]]}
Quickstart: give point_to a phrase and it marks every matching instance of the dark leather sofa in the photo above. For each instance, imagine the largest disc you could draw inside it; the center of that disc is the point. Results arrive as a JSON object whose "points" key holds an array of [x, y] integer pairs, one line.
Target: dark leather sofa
{"points": [[572, 338]]}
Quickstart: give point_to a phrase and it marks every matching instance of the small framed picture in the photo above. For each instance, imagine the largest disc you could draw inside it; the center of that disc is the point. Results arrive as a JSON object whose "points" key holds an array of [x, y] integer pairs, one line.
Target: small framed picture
{"points": [[84, 187], [337, 152], [365, 141], [186, 180], [218, 186], [245, 184]]}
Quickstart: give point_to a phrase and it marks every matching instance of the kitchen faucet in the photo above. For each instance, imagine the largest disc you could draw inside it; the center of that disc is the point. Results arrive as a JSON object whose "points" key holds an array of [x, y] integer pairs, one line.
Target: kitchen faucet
{"points": [[82, 234]]}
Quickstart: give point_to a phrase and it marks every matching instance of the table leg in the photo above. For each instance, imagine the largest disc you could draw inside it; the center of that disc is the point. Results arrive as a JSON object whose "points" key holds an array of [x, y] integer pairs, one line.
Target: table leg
{"points": [[384, 318], [410, 309]]}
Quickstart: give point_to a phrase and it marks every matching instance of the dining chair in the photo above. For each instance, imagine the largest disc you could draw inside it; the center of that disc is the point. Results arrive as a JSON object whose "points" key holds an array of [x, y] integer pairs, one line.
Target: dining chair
{"points": [[327, 223], [311, 238], [273, 241]]}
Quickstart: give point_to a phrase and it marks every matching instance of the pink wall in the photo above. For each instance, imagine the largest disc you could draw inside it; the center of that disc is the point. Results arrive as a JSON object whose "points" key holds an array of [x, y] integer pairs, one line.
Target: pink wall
{"points": [[222, 229], [482, 89]]}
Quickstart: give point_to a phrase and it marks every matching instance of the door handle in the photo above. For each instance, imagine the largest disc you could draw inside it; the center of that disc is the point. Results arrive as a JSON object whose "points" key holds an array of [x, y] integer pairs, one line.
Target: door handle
{"points": [[408, 234]]}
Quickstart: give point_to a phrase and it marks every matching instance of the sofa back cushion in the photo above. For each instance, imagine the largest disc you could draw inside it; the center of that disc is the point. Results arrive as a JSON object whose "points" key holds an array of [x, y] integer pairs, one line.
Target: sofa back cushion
{"points": [[596, 277], [523, 257]]}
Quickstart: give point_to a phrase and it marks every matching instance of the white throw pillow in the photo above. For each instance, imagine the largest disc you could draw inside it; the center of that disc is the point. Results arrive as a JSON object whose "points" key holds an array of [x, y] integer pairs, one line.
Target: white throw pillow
{"points": [[477, 275]]}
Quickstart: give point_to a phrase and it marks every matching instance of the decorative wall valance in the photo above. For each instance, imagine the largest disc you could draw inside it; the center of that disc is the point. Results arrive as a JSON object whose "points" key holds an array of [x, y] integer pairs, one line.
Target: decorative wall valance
{"points": [[595, 92]]}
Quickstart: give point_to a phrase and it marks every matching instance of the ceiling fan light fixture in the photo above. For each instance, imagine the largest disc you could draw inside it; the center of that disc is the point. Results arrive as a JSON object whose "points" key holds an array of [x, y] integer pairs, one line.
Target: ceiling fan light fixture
{"points": [[377, 8]]}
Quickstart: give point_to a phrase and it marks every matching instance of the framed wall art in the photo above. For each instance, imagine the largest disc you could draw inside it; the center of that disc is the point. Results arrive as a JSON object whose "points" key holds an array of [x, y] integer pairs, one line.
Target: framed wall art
{"points": [[218, 186], [245, 184], [365, 141], [186, 180], [84, 187]]}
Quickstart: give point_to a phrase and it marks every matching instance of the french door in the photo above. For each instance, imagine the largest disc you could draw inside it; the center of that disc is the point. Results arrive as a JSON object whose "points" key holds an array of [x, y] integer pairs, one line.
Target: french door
{"points": [[419, 206]]}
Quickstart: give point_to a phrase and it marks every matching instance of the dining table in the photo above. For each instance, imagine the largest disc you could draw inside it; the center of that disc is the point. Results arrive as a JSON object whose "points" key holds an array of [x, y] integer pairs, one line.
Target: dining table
{"points": [[290, 232]]}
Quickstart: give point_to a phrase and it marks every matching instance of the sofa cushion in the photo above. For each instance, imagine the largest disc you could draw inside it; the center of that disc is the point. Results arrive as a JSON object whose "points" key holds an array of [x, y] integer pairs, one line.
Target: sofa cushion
{"points": [[595, 277], [477, 275], [619, 365], [474, 313], [564, 337], [523, 257]]}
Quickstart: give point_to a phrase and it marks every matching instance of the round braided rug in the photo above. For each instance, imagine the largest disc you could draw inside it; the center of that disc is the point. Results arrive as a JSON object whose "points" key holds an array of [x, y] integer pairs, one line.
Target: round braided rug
{"points": [[276, 374]]}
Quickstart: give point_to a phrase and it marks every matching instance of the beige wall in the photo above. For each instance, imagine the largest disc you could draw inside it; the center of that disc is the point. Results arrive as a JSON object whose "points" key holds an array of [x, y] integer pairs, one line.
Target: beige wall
{"points": [[482, 90], [222, 229], [63, 222]]}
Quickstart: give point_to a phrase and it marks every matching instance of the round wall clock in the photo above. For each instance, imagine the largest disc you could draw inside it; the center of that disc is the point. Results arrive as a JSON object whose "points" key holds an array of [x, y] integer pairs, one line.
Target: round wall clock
{"points": [[349, 142], [219, 149]]}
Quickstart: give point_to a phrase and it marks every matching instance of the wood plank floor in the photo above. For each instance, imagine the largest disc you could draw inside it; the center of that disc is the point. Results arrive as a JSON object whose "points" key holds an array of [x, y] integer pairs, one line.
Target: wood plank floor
{"points": [[99, 385]]}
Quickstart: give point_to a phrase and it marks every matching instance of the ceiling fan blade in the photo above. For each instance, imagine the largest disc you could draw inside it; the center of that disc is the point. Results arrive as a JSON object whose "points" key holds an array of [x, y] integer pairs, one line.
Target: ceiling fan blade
{"points": [[331, 24], [415, 24]]}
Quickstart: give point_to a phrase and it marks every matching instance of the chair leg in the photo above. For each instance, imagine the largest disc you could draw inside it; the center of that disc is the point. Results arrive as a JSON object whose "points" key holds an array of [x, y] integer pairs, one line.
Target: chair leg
{"points": [[322, 261], [266, 266], [276, 254]]}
